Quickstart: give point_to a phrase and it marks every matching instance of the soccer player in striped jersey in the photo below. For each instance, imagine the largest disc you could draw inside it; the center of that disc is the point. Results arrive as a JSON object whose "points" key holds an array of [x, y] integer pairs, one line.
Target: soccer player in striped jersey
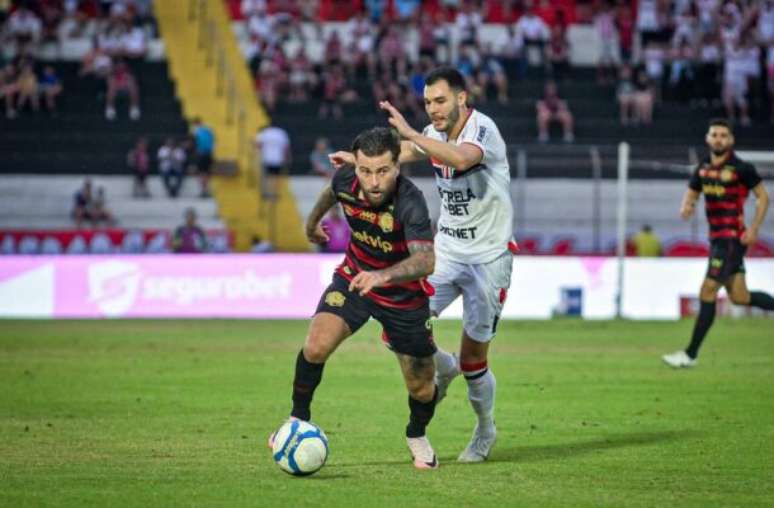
{"points": [[725, 180], [389, 254], [474, 242]]}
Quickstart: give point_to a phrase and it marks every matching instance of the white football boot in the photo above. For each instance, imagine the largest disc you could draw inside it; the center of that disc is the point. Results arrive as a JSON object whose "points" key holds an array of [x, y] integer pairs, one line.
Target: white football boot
{"points": [[480, 445], [679, 359], [422, 453]]}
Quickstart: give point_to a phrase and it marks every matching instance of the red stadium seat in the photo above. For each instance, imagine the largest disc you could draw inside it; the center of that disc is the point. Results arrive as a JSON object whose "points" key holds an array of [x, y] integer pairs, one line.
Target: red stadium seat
{"points": [[563, 247], [685, 248], [761, 249], [529, 245]]}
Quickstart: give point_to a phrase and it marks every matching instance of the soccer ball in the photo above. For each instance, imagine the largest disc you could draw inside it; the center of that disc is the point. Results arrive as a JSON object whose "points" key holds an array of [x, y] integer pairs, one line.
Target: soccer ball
{"points": [[300, 448]]}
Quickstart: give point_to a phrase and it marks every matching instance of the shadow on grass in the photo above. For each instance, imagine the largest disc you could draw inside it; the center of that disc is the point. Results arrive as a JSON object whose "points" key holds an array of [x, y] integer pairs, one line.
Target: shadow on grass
{"points": [[326, 477], [564, 450], [549, 452]]}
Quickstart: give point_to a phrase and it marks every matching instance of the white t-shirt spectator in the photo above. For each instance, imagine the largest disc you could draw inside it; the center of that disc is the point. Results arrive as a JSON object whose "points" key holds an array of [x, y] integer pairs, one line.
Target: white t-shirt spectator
{"points": [[510, 45], [164, 158], [274, 145], [250, 7], [752, 55], [111, 42], [133, 42], [532, 28], [24, 23], [261, 25], [654, 62], [707, 11], [647, 16], [766, 21], [710, 53], [468, 24], [735, 69]]}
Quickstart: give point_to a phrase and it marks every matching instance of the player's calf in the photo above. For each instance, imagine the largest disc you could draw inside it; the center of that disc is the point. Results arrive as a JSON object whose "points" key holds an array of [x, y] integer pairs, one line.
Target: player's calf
{"points": [[446, 369]]}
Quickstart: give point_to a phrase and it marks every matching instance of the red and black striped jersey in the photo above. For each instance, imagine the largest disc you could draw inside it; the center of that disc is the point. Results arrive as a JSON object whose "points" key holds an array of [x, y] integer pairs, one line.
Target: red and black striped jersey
{"points": [[380, 236], [725, 187]]}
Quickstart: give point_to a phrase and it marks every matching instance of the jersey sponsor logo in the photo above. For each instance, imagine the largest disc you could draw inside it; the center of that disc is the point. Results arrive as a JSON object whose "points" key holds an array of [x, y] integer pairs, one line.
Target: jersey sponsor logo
{"points": [[376, 242], [346, 197], [335, 299], [359, 213], [386, 222], [461, 233], [481, 134], [456, 202], [714, 190]]}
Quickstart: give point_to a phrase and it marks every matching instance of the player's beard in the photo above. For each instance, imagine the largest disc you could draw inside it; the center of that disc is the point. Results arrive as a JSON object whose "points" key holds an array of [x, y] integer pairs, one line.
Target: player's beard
{"points": [[454, 115], [720, 152], [383, 197]]}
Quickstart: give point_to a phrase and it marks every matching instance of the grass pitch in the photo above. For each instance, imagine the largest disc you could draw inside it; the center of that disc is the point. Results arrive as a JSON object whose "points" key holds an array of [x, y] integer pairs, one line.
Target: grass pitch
{"points": [[162, 413]]}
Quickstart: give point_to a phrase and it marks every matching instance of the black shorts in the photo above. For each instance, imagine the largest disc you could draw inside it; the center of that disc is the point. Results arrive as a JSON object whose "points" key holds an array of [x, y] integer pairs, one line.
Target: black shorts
{"points": [[204, 162], [726, 259], [408, 332], [273, 170]]}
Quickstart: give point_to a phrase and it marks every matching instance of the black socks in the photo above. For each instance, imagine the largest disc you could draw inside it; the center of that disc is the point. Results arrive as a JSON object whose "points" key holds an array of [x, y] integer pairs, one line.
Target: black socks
{"points": [[761, 300], [421, 414], [308, 376], [703, 324]]}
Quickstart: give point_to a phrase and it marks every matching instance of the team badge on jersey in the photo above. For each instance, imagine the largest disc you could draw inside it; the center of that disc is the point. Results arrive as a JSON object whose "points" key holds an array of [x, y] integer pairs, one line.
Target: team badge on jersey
{"points": [[386, 222], [335, 299], [726, 175]]}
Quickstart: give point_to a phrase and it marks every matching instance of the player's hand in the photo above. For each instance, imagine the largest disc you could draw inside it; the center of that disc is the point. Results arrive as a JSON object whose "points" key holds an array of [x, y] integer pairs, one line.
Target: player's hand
{"points": [[341, 158], [686, 210], [317, 234], [749, 237], [366, 281], [396, 120]]}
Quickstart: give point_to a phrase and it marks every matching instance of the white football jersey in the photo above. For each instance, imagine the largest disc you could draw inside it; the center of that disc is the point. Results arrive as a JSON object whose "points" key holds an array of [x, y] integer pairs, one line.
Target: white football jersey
{"points": [[476, 220]]}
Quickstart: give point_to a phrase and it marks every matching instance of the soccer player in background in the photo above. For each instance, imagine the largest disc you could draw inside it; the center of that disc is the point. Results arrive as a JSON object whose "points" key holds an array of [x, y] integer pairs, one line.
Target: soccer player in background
{"points": [[474, 243], [725, 180], [389, 253]]}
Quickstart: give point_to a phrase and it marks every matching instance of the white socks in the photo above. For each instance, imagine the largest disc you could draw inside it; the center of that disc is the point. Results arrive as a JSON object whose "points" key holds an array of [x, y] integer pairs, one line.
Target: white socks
{"points": [[481, 393]]}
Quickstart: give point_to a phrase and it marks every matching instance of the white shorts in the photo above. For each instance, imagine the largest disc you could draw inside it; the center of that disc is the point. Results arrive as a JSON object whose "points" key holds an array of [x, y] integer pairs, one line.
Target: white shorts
{"points": [[483, 287]]}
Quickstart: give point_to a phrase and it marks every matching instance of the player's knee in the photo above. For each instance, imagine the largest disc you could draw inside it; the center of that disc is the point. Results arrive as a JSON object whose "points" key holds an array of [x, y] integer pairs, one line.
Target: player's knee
{"points": [[422, 391], [709, 291], [740, 298], [316, 350]]}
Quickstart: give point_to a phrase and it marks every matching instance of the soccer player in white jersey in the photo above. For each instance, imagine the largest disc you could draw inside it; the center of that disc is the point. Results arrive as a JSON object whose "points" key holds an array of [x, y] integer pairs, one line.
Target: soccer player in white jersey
{"points": [[474, 242]]}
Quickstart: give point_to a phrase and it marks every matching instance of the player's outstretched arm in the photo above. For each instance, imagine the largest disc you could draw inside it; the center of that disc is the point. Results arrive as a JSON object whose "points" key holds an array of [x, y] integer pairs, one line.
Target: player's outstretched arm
{"points": [[688, 205], [409, 152], [314, 231], [460, 157], [341, 158], [750, 236], [419, 264]]}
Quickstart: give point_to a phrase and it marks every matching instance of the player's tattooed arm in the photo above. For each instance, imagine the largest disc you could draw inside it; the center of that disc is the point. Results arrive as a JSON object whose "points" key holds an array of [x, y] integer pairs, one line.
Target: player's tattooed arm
{"points": [[314, 231], [419, 264], [688, 206]]}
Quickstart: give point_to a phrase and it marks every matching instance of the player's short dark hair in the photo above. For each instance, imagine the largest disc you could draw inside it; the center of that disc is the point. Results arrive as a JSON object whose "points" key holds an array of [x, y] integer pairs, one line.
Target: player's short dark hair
{"points": [[449, 74], [722, 122], [376, 141]]}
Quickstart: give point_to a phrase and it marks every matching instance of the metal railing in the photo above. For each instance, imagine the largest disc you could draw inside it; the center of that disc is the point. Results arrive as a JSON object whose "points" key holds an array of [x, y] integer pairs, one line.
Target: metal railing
{"points": [[211, 40]]}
